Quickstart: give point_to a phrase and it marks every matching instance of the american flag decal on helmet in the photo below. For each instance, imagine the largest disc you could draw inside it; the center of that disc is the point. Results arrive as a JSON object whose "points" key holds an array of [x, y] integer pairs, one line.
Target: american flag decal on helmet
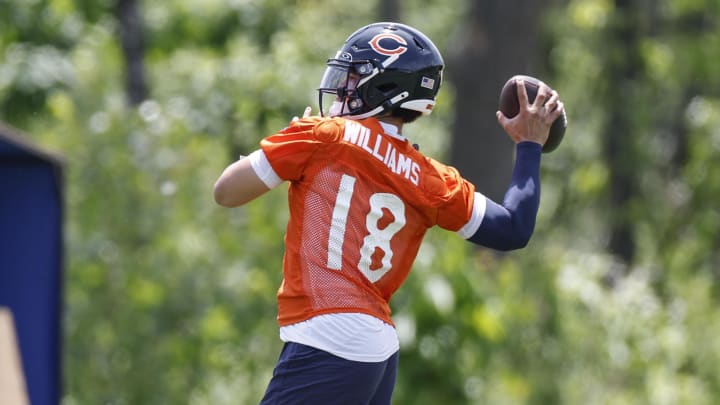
{"points": [[427, 82]]}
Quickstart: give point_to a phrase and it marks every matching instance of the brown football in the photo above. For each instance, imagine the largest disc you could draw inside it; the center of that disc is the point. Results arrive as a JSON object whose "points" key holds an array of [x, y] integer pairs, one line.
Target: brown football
{"points": [[509, 105]]}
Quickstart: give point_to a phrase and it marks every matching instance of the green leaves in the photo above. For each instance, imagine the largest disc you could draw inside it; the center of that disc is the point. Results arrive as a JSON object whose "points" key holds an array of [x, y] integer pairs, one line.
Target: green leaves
{"points": [[162, 282]]}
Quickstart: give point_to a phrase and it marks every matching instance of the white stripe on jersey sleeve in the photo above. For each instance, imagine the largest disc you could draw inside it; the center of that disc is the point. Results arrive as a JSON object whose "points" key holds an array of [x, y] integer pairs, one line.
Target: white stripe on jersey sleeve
{"points": [[262, 168], [476, 218]]}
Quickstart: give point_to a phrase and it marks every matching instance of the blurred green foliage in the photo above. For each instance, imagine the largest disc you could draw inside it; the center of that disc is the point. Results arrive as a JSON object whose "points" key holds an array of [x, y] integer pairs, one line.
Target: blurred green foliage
{"points": [[170, 299]]}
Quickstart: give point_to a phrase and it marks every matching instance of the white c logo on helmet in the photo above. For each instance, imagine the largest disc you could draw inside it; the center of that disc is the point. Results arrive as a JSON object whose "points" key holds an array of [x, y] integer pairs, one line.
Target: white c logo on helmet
{"points": [[398, 50]]}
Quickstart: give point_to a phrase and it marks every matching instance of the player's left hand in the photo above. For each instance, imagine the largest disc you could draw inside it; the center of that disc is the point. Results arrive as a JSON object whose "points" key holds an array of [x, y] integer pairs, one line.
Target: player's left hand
{"points": [[306, 113]]}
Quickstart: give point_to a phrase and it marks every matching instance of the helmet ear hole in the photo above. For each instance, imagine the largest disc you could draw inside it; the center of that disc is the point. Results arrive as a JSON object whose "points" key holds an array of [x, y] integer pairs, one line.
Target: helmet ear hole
{"points": [[387, 87]]}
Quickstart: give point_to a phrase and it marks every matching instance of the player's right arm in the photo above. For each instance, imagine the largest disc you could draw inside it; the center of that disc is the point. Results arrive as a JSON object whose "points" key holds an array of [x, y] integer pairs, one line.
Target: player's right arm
{"points": [[510, 225]]}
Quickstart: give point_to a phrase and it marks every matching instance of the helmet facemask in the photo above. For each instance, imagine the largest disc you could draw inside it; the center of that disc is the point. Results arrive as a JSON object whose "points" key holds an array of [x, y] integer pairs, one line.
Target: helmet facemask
{"points": [[341, 88]]}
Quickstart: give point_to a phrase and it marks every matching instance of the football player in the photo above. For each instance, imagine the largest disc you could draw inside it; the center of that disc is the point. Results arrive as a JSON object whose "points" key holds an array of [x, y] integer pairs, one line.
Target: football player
{"points": [[361, 198]]}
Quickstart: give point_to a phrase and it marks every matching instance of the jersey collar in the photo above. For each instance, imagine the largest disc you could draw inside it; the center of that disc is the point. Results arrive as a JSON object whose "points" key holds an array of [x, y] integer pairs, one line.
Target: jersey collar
{"points": [[391, 130]]}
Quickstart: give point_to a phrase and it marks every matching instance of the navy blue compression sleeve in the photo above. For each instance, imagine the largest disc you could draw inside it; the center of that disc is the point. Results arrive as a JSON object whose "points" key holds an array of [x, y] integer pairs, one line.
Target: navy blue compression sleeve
{"points": [[510, 225]]}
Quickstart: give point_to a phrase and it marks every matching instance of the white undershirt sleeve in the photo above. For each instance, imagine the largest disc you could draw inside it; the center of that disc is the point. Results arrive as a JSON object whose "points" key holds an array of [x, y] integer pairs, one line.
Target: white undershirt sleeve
{"points": [[263, 169], [476, 218]]}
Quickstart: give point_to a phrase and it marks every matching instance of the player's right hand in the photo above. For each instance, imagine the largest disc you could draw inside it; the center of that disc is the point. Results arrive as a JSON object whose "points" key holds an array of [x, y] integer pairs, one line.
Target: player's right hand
{"points": [[533, 121]]}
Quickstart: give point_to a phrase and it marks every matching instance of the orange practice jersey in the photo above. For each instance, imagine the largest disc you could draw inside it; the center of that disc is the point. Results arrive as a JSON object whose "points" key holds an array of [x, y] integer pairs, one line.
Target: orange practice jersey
{"points": [[360, 203]]}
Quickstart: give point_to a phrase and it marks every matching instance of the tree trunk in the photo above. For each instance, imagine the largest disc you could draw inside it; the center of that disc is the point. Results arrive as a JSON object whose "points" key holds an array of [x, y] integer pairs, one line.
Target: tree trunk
{"points": [[499, 40], [131, 39], [623, 65]]}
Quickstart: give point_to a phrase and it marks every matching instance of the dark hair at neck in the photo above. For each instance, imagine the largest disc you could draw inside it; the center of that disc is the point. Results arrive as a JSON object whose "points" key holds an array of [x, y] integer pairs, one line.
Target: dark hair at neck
{"points": [[407, 116]]}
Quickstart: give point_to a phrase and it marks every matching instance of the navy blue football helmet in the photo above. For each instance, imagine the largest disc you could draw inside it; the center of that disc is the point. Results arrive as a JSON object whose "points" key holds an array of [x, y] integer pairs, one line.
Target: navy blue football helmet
{"points": [[381, 67]]}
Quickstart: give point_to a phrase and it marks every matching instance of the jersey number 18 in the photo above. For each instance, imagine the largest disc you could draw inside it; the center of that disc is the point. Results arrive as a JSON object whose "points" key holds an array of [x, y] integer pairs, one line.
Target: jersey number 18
{"points": [[376, 238]]}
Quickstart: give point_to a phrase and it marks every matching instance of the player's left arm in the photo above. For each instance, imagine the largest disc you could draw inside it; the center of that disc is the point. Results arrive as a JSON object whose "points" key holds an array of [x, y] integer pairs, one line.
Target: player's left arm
{"points": [[245, 180], [238, 184], [248, 178]]}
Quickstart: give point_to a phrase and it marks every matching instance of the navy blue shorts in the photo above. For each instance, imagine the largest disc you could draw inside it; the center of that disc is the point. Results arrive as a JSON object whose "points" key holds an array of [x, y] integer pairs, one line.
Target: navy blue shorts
{"points": [[305, 375]]}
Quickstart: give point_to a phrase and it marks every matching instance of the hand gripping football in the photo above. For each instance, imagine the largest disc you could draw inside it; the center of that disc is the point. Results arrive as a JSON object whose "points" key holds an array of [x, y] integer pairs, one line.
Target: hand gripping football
{"points": [[510, 106]]}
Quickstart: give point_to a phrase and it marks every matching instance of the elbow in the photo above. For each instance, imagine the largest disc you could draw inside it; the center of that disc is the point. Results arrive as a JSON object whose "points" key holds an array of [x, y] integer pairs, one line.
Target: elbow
{"points": [[520, 241], [223, 196], [520, 238], [520, 233], [503, 240], [515, 242]]}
